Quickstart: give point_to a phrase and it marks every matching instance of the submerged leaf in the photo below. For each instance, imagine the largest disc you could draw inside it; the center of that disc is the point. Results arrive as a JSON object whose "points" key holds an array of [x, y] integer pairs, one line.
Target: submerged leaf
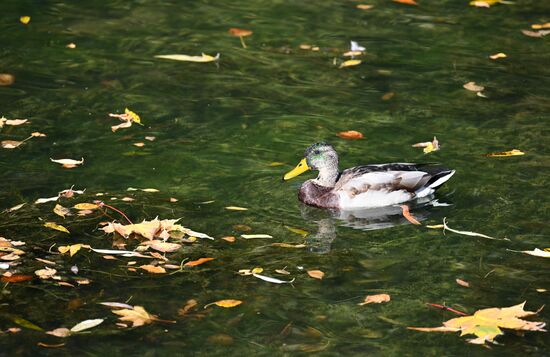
{"points": [[198, 262], [56, 226], [225, 303], [375, 299], [514, 152], [202, 58]]}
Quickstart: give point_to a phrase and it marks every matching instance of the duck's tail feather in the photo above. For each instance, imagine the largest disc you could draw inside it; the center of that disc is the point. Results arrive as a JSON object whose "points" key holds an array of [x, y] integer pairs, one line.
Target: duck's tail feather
{"points": [[434, 183]]}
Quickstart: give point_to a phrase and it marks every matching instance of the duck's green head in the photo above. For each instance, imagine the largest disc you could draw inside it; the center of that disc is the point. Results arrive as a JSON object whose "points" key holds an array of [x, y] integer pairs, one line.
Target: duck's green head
{"points": [[317, 157]]}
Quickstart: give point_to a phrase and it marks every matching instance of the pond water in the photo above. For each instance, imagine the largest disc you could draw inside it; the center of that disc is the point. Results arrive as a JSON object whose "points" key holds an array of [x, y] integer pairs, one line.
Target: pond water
{"points": [[220, 126]]}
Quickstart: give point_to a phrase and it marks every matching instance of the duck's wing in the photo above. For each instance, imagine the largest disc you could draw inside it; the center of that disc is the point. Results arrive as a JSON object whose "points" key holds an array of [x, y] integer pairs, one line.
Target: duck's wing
{"points": [[387, 184]]}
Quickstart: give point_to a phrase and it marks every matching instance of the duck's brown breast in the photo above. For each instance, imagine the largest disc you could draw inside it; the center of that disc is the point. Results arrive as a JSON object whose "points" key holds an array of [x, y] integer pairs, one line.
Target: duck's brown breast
{"points": [[318, 196]]}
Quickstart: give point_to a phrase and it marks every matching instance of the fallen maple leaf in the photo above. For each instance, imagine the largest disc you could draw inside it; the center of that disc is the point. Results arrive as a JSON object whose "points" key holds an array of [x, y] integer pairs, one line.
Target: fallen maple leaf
{"points": [[316, 274], [198, 262], [375, 299], [137, 316], [486, 324]]}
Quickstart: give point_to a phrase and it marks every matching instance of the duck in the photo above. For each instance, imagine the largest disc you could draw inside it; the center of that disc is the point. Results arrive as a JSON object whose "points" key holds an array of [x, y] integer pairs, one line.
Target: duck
{"points": [[365, 186]]}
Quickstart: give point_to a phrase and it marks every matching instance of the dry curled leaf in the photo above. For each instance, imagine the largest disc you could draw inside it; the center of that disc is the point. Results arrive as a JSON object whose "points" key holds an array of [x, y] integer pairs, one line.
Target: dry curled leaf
{"points": [[316, 274], [138, 316], [375, 299]]}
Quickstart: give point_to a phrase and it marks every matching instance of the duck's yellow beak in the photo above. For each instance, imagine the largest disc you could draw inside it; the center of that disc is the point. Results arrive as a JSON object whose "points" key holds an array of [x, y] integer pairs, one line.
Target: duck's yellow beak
{"points": [[298, 170]]}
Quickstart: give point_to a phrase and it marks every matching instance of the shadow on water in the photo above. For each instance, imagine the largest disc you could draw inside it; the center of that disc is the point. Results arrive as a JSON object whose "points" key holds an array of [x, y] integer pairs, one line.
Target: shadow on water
{"points": [[370, 219]]}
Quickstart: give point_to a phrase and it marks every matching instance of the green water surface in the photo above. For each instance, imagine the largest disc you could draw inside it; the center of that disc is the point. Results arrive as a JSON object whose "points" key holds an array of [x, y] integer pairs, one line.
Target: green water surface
{"points": [[219, 126]]}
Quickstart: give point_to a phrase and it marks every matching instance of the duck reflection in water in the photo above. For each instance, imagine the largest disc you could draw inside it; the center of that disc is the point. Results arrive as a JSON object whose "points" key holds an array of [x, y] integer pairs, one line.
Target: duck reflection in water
{"points": [[328, 220]]}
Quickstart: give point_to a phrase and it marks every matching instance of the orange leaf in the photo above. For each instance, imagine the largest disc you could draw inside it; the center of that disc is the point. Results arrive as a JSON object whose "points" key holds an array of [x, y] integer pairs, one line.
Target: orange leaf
{"points": [[375, 299], [198, 262], [239, 32], [408, 215], [350, 135], [407, 2], [316, 274], [229, 239], [16, 278], [153, 269], [463, 283]]}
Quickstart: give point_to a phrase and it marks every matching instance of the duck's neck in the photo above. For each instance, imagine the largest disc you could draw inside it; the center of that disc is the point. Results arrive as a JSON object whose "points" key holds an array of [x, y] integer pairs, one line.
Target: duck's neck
{"points": [[327, 176]]}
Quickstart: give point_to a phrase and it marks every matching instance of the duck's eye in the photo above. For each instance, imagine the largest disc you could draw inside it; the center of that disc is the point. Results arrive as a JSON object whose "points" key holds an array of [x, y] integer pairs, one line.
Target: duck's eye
{"points": [[316, 152]]}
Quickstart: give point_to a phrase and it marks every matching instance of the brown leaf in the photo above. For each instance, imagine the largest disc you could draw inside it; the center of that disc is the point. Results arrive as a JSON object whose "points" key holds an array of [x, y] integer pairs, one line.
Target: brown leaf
{"points": [[350, 135], [16, 278], [198, 262], [60, 332], [472, 86], [189, 305], [406, 2], [234, 31], [229, 239], [6, 79], [375, 299], [316, 274], [153, 269]]}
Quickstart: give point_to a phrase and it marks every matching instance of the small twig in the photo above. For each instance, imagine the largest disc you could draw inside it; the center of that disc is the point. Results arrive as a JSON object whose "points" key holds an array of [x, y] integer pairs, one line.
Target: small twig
{"points": [[443, 307], [103, 204]]}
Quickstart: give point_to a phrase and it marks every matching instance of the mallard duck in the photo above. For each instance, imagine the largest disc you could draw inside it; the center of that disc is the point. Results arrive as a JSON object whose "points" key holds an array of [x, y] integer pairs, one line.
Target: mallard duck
{"points": [[366, 186]]}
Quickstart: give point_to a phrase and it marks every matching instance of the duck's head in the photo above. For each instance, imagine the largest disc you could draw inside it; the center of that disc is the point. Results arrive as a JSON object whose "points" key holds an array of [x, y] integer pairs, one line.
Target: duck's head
{"points": [[320, 156]]}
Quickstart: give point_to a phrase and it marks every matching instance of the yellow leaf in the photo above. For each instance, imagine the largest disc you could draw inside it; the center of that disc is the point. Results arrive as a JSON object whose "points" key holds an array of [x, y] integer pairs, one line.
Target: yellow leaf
{"points": [[202, 58], [153, 269], [275, 163], [225, 303], [236, 208], [135, 118], [297, 231], [540, 26], [25, 19], [287, 245], [498, 55], [514, 152], [349, 63], [60, 210], [83, 206], [72, 249], [257, 270], [150, 190], [364, 6], [56, 226]]}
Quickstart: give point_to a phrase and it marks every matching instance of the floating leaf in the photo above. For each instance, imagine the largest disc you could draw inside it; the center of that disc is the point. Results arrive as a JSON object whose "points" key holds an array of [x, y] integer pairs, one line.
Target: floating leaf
{"points": [[408, 216], [138, 316], [472, 86], [406, 2], [229, 239], [15, 208], [56, 226], [375, 299], [364, 6], [15, 122], [538, 34], [287, 245], [498, 55], [16, 278], [256, 236], [316, 274], [486, 324], [350, 63], [6, 79], [299, 231], [514, 152], [272, 280], [239, 32], [236, 208], [537, 253], [540, 26], [86, 324], [44, 200], [153, 269], [25, 19], [11, 144], [86, 206], [225, 303], [164, 247], [72, 249], [350, 135], [45, 273], [68, 163], [198, 262], [462, 283], [60, 332], [202, 58], [61, 211], [428, 146]]}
